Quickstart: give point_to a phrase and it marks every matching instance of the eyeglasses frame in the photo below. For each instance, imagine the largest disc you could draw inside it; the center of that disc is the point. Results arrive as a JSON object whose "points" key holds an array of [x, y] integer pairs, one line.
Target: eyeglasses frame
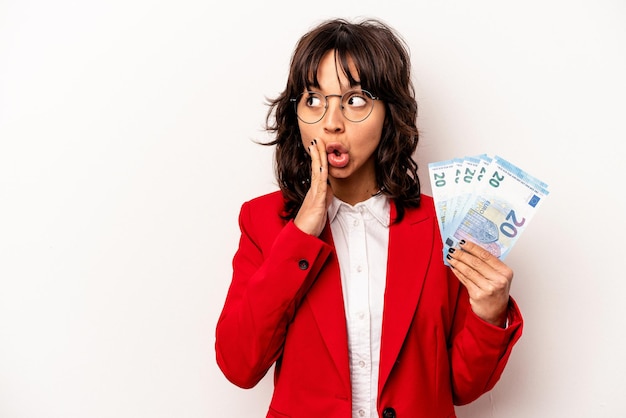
{"points": [[294, 100]]}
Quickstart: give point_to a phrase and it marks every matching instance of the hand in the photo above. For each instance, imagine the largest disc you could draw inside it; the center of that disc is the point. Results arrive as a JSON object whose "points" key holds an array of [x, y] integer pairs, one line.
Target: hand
{"points": [[487, 279], [311, 217]]}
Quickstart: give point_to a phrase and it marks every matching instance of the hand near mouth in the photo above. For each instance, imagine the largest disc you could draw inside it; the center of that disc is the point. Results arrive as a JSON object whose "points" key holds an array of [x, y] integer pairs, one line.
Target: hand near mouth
{"points": [[311, 217]]}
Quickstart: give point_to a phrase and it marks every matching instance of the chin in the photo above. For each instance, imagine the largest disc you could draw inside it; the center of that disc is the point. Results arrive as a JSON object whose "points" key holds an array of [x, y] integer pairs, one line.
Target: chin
{"points": [[339, 173]]}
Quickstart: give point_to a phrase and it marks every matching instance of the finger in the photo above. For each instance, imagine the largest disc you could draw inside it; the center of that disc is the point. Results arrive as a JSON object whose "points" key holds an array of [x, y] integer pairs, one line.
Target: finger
{"points": [[319, 176], [477, 275], [316, 163], [319, 161], [487, 260], [323, 156], [464, 267], [454, 265]]}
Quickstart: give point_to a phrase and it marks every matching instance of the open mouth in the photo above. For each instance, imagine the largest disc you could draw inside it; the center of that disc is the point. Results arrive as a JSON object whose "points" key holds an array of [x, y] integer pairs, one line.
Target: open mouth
{"points": [[337, 156]]}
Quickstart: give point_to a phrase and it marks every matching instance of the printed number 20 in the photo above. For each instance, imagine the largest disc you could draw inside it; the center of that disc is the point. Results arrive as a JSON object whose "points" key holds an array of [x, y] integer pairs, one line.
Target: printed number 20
{"points": [[495, 179], [440, 179], [509, 229]]}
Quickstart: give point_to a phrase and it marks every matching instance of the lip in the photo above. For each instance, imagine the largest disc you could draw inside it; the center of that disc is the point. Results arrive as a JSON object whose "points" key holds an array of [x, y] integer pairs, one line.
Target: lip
{"points": [[337, 155], [335, 147]]}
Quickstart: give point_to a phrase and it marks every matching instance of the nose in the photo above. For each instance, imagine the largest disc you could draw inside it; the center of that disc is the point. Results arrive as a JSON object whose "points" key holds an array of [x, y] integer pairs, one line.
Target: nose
{"points": [[333, 119]]}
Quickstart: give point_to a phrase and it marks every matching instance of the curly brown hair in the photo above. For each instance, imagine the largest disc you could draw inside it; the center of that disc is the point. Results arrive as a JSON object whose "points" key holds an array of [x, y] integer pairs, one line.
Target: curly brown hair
{"points": [[383, 63]]}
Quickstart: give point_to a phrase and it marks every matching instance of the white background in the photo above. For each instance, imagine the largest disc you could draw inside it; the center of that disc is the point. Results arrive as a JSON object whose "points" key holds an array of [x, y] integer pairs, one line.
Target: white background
{"points": [[126, 150]]}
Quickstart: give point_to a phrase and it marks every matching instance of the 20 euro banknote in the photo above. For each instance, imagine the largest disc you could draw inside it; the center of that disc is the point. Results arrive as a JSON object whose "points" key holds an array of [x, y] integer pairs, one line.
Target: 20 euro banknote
{"points": [[494, 209]]}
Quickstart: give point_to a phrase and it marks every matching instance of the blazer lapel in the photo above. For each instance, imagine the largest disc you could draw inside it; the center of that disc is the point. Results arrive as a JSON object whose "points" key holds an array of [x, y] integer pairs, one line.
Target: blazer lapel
{"points": [[326, 301], [410, 248]]}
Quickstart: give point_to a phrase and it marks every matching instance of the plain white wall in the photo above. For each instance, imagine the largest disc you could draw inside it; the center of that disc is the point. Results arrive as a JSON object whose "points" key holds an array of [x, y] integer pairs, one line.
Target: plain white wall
{"points": [[126, 150]]}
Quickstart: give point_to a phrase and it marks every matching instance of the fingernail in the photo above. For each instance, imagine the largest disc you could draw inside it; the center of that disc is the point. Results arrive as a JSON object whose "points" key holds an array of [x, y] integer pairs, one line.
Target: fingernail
{"points": [[451, 250], [315, 140], [462, 242], [312, 143], [448, 256], [320, 169]]}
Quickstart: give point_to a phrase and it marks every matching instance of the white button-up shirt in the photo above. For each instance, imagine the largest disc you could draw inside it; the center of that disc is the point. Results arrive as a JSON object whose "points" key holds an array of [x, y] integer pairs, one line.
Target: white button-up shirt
{"points": [[361, 237]]}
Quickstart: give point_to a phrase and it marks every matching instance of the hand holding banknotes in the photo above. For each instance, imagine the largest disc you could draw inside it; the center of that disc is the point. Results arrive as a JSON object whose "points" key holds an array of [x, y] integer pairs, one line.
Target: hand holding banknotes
{"points": [[486, 278], [483, 205]]}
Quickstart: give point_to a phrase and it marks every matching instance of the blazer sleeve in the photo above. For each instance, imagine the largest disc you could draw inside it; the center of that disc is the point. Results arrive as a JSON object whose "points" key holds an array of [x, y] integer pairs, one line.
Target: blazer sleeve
{"points": [[478, 350], [273, 268]]}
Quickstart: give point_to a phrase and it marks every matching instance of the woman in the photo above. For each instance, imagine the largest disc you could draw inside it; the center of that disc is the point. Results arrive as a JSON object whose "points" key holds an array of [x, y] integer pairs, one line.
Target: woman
{"points": [[338, 279]]}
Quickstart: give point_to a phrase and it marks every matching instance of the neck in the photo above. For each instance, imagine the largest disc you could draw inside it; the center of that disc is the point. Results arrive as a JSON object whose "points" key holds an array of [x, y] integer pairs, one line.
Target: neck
{"points": [[351, 193]]}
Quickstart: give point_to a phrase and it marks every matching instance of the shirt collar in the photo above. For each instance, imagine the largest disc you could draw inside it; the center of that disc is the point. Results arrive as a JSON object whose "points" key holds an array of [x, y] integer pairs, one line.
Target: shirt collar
{"points": [[377, 205]]}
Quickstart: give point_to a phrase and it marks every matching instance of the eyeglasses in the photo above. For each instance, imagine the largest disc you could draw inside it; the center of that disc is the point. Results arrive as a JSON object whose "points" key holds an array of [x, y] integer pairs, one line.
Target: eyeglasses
{"points": [[356, 105]]}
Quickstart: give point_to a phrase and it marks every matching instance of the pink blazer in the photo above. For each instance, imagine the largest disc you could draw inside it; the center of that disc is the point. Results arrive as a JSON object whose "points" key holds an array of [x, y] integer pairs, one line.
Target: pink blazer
{"points": [[285, 306]]}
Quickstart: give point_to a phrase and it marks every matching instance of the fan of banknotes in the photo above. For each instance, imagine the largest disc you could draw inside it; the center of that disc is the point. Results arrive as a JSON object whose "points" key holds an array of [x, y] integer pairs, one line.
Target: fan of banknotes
{"points": [[483, 199]]}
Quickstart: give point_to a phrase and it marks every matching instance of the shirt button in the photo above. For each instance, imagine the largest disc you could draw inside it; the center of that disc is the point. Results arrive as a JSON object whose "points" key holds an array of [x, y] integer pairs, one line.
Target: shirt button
{"points": [[355, 222], [361, 315], [303, 264], [361, 364], [361, 413], [359, 269]]}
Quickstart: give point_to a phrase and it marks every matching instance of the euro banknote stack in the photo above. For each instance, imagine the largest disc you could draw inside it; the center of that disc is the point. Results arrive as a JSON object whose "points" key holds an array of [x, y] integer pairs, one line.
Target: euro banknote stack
{"points": [[483, 199]]}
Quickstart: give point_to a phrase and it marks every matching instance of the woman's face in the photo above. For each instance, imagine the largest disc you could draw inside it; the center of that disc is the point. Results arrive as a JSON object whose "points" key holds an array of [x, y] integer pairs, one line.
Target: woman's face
{"points": [[349, 145]]}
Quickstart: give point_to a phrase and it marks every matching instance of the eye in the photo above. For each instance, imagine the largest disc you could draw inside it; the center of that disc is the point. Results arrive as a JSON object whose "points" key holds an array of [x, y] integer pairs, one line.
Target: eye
{"points": [[357, 99], [313, 100]]}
